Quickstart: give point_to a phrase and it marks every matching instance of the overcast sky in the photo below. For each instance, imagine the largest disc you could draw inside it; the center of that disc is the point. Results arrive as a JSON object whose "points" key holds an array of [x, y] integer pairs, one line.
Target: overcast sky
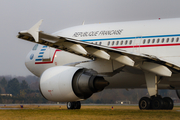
{"points": [[17, 15]]}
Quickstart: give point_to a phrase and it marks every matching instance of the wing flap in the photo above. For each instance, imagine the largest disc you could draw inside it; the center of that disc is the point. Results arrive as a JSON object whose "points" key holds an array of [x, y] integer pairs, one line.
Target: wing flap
{"points": [[75, 47], [98, 53], [122, 59], [48, 37]]}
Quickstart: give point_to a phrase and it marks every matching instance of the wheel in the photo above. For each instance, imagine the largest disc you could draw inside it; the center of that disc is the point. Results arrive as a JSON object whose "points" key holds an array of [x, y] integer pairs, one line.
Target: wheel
{"points": [[168, 103], [70, 105], [77, 105], [157, 103], [74, 105], [144, 103]]}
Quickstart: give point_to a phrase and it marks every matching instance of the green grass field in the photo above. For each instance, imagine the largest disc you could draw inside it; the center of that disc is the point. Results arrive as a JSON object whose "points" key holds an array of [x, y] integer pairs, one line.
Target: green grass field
{"points": [[33, 112]]}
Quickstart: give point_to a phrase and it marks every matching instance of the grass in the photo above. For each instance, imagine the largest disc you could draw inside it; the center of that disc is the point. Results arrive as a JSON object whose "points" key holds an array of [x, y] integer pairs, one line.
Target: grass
{"points": [[33, 112]]}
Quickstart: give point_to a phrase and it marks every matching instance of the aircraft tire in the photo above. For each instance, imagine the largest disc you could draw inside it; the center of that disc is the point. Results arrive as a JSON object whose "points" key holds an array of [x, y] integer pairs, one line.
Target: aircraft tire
{"points": [[77, 105], [144, 103], [168, 103], [70, 105], [157, 103]]}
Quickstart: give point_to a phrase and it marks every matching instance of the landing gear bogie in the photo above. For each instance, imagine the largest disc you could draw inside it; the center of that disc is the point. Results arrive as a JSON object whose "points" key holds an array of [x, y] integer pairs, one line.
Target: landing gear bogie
{"points": [[156, 103]]}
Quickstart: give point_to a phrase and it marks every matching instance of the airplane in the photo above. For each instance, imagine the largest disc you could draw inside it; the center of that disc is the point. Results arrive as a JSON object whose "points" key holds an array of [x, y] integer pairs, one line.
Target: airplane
{"points": [[76, 62]]}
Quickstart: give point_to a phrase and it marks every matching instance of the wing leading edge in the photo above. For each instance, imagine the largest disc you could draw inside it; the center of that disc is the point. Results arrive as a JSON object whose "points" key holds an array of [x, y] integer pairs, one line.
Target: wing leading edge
{"points": [[93, 51]]}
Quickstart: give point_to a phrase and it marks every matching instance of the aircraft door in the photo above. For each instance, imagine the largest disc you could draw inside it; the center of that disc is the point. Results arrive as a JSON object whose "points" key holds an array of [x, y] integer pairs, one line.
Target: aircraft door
{"points": [[136, 45], [46, 55]]}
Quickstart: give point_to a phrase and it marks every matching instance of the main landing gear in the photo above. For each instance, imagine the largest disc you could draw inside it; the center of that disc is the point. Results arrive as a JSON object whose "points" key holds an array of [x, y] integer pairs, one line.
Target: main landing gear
{"points": [[157, 102], [74, 105]]}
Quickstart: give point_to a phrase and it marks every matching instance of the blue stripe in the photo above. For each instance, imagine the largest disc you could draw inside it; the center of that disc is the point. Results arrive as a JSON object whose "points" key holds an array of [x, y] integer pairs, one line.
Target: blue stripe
{"points": [[41, 53], [38, 60], [155, 36], [161, 36], [40, 56], [109, 39], [43, 49], [44, 46]]}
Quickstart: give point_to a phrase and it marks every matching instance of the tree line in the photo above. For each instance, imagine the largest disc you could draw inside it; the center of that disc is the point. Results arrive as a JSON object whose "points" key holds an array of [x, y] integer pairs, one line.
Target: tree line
{"points": [[21, 92]]}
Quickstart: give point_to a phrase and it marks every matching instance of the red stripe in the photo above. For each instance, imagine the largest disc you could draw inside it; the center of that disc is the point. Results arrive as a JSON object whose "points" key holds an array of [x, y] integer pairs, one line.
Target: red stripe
{"points": [[156, 45], [48, 61]]}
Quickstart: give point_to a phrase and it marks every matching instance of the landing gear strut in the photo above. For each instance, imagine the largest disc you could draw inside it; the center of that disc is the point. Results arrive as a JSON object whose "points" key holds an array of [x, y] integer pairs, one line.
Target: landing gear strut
{"points": [[157, 102], [74, 105]]}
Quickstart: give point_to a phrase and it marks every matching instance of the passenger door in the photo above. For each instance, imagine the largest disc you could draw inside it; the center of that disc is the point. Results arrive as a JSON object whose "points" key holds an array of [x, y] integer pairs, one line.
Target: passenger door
{"points": [[136, 45]]}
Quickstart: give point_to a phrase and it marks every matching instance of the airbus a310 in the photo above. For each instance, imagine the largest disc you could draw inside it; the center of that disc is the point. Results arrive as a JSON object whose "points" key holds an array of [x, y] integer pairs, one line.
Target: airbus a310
{"points": [[76, 62]]}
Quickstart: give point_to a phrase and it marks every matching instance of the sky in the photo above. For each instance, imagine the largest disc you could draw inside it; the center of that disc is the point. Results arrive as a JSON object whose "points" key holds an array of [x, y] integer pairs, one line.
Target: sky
{"points": [[18, 15]]}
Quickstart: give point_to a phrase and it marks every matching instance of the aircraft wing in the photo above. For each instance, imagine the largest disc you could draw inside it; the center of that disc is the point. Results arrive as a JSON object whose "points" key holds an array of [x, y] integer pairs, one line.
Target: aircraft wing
{"points": [[89, 50]]}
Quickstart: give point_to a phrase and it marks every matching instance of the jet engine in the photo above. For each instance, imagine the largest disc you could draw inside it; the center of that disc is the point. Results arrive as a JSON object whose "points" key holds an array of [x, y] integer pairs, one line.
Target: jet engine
{"points": [[67, 84], [178, 93]]}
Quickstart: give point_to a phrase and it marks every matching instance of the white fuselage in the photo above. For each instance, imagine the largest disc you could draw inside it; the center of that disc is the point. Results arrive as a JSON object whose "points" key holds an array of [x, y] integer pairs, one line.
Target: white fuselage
{"points": [[158, 38]]}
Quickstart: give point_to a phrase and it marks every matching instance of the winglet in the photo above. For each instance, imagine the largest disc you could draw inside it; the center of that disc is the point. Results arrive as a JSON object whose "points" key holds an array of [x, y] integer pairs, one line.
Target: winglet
{"points": [[34, 31]]}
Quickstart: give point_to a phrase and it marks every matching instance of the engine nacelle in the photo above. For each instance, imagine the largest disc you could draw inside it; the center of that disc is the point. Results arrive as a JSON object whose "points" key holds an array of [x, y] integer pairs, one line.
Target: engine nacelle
{"points": [[67, 84], [178, 93]]}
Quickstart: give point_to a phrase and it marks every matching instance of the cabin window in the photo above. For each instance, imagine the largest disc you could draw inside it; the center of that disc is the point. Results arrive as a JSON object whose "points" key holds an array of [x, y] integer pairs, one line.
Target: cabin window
{"points": [[177, 40], [122, 42], [172, 40], [130, 42], [112, 42], [100, 43], [96, 43], [117, 42], [162, 40], [149, 40], [144, 41], [108, 43], [35, 47], [158, 40], [126, 42], [153, 40], [167, 40]]}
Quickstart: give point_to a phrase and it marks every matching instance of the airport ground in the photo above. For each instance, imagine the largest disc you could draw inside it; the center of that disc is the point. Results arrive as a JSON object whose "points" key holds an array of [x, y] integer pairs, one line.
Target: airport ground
{"points": [[87, 112]]}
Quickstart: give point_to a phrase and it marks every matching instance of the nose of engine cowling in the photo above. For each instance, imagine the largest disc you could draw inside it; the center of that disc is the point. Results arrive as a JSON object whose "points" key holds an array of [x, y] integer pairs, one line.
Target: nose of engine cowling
{"points": [[29, 61]]}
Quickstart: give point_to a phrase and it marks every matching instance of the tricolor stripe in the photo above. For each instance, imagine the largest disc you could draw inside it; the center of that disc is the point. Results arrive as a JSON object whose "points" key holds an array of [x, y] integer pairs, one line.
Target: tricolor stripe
{"points": [[137, 37]]}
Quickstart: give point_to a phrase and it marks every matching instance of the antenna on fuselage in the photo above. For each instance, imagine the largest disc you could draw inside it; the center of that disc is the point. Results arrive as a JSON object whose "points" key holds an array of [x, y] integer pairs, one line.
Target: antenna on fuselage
{"points": [[83, 23]]}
